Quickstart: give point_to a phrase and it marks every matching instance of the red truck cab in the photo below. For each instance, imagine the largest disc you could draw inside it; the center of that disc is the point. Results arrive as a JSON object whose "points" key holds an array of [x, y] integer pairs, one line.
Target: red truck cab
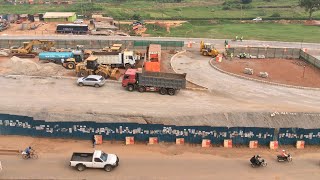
{"points": [[129, 79]]}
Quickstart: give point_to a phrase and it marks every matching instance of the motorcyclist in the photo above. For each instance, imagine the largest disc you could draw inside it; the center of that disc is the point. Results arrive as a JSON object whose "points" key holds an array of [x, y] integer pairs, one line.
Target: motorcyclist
{"points": [[284, 154], [27, 151], [258, 159]]}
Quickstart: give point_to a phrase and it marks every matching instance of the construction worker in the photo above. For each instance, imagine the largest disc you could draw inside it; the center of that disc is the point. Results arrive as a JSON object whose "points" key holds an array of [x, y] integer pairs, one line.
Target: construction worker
{"points": [[236, 38], [241, 38], [226, 43]]}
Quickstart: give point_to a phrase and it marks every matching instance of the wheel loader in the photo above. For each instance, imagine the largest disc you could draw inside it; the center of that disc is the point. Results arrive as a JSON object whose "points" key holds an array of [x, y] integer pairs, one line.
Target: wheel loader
{"points": [[91, 67], [207, 49]]}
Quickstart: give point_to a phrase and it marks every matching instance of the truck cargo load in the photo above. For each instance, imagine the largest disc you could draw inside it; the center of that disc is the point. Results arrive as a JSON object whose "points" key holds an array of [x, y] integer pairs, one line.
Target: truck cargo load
{"points": [[127, 59], [152, 62], [154, 53], [164, 83]]}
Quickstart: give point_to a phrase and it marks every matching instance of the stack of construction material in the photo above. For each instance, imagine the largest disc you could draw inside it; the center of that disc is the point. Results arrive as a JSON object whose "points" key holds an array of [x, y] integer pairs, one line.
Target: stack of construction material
{"points": [[248, 71], [263, 74]]}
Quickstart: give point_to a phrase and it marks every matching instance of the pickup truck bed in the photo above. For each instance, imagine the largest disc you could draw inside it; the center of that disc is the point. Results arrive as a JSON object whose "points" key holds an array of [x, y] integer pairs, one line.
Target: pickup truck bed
{"points": [[85, 157]]}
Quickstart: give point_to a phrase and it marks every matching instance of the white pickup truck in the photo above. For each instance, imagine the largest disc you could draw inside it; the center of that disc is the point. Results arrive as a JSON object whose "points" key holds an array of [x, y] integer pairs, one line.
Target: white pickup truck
{"points": [[97, 159]]}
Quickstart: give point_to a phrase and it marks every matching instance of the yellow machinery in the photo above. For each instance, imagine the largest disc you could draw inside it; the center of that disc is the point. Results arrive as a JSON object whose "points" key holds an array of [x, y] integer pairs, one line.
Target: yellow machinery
{"points": [[91, 67], [207, 49], [113, 48], [26, 50]]}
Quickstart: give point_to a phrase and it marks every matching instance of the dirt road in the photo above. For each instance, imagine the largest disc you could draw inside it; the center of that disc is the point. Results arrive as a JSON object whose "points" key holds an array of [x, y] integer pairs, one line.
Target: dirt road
{"points": [[62, 100], [154, 162]]}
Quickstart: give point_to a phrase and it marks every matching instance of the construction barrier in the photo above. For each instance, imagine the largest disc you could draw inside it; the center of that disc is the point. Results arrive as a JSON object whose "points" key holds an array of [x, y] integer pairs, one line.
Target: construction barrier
{"points": [[153, 140], [274, 145], [227, 143], [26, 126], [180, 141], [206, 143], [129, 140], [300, 145], [253, 144], [219, 58], [98, 139]]}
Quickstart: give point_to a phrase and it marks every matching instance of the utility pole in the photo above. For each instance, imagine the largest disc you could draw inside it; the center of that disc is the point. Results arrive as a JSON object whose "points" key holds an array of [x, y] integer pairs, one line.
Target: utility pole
{"points": [[304, 69], [241, 12]]}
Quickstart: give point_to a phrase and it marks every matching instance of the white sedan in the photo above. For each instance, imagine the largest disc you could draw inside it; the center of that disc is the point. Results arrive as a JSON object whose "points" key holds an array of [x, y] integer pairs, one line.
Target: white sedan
{"points": [[91, 80]]}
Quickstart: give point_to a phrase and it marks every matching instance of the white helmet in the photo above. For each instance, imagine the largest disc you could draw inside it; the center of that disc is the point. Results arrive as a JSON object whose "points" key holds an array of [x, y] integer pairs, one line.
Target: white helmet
{"points": [[283, 150]]}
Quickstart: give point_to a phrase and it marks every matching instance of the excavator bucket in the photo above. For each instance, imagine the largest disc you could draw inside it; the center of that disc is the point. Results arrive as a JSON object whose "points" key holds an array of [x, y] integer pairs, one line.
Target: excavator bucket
{"points": [[115, 74]]}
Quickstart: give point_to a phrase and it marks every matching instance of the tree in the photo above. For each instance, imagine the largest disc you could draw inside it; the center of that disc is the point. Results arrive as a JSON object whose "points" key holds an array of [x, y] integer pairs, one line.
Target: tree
{"points": [[310, 6], [246, 1]]}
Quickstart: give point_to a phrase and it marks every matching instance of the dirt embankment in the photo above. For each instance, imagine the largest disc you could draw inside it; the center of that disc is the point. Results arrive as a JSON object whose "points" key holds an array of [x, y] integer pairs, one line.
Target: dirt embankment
{"points": [[292, 72]]}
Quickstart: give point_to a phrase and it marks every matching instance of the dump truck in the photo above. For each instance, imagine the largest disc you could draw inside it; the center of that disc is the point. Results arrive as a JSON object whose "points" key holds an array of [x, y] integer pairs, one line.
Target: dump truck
{"points": [[208, 49], [127, 59], [91, 67], [153, 58], [97, 159], [164, 83]]}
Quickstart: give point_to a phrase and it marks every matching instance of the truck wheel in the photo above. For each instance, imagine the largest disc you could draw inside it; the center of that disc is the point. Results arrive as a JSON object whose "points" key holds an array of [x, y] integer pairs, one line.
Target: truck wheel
{"points": [[96, 86], [130, 88], [163, 91], [205, 53], [142, 89], [70, 65], [171, 92], [108, 168], [81, 167], [83, 73], [127, 66]]}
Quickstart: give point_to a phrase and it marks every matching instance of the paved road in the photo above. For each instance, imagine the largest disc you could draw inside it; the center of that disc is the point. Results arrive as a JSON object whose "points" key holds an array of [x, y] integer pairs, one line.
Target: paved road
{"points": [[154, 162], [200, 72], [196, 40]]}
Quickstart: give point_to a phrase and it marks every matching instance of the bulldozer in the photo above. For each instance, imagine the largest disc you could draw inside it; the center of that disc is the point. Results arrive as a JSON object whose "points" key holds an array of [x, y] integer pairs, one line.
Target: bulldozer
{"points": [[26, 51], [91, 67], [207, 49]]}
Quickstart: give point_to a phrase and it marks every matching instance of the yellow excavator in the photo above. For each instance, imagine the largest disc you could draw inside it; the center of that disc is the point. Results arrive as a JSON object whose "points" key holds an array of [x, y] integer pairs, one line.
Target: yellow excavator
{"points": [[26, 51], [91, 67], [207, 49]]}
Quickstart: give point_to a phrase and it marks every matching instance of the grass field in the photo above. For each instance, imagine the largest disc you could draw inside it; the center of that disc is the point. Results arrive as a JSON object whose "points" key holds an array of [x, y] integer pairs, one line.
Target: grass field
{"points": [[216, 27], [228, 30], [189, 9]]}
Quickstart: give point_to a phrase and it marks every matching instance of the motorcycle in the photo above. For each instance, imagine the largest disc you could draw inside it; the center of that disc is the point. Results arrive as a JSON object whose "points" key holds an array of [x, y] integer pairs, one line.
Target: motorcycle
{"points": [[256, 163], [32, 155], [284, 158]]}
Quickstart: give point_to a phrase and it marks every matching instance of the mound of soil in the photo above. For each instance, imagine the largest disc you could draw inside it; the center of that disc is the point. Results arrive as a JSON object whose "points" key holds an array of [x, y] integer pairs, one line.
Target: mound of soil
{"points": [[19, 66]]}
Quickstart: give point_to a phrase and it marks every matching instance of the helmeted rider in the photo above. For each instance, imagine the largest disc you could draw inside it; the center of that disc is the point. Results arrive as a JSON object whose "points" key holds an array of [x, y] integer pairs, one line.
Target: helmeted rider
{"points": [[27, 151], [258, 159], [284, 154]]}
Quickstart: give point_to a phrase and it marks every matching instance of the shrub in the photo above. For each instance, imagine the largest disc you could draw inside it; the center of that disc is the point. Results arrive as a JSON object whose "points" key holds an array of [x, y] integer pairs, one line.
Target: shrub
{"points": [[276, 14]]}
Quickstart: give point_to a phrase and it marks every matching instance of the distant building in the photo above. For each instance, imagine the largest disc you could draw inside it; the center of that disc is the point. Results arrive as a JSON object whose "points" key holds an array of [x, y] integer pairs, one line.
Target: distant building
{"points": [[60, 17], [100, 18]]}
